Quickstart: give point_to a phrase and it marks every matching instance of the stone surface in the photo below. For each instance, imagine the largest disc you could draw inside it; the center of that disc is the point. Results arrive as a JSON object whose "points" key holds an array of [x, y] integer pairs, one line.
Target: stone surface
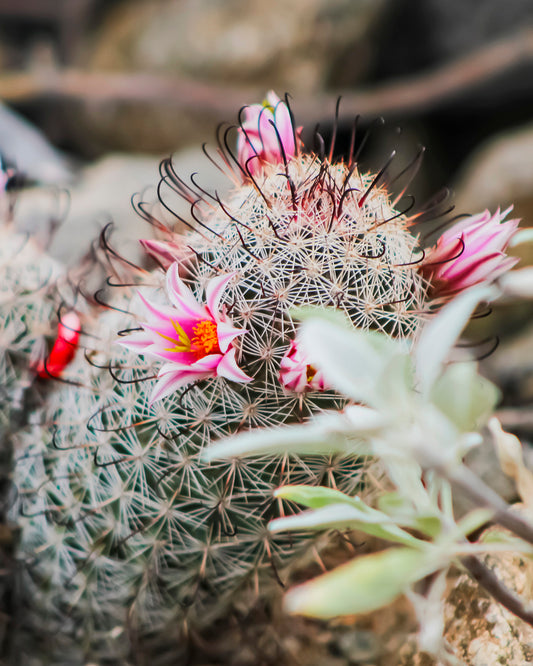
{"points": [[299, 47], [23, 146], [103, 194], [482, 631], [295, 45]]}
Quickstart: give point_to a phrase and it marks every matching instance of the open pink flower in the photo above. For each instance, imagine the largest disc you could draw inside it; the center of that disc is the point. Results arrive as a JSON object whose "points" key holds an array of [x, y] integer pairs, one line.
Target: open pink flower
{"points": [[265, 135], [470, 252], [63, 349], [196, 340], [297, 374]]}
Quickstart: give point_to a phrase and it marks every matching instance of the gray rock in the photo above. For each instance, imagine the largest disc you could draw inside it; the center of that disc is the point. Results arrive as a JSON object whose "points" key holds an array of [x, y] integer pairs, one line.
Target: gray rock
{"points": [[299, 47], [24, 146], [103, 194], [290, 45]]}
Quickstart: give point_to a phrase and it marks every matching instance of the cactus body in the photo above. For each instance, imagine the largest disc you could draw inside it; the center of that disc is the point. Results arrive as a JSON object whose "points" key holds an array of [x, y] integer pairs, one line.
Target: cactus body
{"points": [[126, 534]]}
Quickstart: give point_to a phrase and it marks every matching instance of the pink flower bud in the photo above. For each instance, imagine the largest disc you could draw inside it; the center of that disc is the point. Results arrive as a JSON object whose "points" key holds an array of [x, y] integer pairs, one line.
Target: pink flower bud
{"points": [[296, 374], [470, 252], [266, 135], [165, 252]]}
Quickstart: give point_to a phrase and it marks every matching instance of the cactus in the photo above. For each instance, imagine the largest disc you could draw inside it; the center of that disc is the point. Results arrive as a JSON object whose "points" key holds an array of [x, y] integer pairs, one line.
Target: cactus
{"points": [[29, 303], [127, 536], [28, 312]]}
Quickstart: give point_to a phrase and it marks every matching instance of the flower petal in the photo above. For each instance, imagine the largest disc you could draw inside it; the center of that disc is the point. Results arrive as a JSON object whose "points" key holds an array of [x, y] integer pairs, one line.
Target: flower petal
{"points": [[136, 342], [226, 333], [182, 297], [215, 290], [229, 369], [470, 252]]}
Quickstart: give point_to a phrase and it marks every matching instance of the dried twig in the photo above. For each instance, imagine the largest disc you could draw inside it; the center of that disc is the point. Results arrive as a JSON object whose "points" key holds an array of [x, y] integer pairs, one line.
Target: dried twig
{"points": [[515, 417], [404, 96]]}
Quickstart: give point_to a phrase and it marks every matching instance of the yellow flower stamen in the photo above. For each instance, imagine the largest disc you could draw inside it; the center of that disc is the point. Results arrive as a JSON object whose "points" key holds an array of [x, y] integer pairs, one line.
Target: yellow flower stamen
{"points": [[183, 343], [205, 338], [310, 372]]}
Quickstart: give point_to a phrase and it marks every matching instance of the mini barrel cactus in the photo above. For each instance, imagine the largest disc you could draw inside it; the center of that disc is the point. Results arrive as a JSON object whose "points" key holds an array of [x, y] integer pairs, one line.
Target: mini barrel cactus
{"points": [[127, 537], [30, 299], [28, 315]]}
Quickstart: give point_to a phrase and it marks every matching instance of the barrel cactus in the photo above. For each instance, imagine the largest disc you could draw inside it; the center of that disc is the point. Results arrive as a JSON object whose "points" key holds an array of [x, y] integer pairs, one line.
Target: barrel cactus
{"points": [[32, 289], [128, 539]]}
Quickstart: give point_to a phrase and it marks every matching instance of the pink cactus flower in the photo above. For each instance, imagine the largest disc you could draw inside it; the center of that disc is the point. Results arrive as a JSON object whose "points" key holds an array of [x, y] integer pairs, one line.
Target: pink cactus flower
{"points": [[470, 252], [196, 340], [63, 349], [296, 374], [266, 135]]}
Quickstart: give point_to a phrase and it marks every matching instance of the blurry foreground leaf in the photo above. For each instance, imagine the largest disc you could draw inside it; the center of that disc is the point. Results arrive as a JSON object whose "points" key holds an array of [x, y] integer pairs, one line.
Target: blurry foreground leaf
{"points": [[511, 459], [329, 433], [474, 520], [465, 397], [352, 361], [362, 585], [344, 516], [521, 236], [439, 336], [316, 497], [517, 284]]}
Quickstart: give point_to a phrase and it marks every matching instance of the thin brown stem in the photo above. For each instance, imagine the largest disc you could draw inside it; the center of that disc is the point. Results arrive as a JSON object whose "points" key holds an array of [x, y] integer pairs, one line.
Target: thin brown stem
{"points": [[488, 580], [483, 496], [423, 91]]}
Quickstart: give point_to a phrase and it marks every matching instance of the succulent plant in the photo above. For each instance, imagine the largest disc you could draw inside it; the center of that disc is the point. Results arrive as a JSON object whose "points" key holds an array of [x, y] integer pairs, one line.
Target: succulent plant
{"points": [[127, 537], [30, 299]]}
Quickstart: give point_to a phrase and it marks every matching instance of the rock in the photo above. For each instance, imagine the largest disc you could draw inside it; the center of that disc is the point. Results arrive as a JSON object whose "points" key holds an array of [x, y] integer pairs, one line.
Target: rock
{"points": [[296, 45], [103, 194], [299, 46], [23, 146], [482, 631]]}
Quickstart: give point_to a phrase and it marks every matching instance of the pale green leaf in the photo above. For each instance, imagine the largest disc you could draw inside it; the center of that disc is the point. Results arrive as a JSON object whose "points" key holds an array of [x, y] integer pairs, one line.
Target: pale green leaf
{"points": [[326, 434], [507, 541], [518, 283], [342, 517], [403, 512], [474, 520], [430, 526], [441, 333], [465, 397], [522, 236], [396, 384], [352, 361], [315, 497], [332, 315], [362, 585]]}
